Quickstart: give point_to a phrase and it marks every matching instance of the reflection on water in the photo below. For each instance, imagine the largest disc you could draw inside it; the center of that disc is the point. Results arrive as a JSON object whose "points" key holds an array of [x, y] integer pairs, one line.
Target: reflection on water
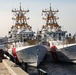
{"points": [[54, 69]]}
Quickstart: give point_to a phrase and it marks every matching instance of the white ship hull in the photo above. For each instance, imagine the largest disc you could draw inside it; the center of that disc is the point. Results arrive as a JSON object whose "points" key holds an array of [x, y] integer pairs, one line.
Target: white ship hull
{"points": [[67, 53], [32, 55]]}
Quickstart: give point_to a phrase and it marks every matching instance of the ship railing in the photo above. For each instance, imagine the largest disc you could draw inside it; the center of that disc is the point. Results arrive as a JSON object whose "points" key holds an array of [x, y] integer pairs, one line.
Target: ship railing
{"points": [[20, 44]]}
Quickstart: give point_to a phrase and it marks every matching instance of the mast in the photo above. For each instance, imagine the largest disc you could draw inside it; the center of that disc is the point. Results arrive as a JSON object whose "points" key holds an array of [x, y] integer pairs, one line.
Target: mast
{"points": [[51, 19], [20, 18], [52, 28]]}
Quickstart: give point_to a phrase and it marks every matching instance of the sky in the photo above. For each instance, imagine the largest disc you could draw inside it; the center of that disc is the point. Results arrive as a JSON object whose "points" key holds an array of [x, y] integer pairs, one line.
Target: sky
{"points": [[66, 14]]}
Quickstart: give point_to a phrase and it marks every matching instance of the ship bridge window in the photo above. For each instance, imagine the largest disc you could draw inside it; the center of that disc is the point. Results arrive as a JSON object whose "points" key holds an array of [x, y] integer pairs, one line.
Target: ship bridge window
{"points": [[32, 34], [50, 33], [59, 38], [59, 34], [24, 40], [29, 35], [23, 35], [14, 35], [47, 33], [54, 35], [63, 34]]}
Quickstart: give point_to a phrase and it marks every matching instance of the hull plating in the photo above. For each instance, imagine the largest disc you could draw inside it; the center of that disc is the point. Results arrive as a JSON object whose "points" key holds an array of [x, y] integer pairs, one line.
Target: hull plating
{"points": [[32, 55]]}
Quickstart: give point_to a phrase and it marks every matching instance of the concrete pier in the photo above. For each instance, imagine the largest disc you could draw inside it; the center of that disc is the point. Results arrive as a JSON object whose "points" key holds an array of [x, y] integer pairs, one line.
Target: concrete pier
{"points": [[3, 70], [12, 68]]}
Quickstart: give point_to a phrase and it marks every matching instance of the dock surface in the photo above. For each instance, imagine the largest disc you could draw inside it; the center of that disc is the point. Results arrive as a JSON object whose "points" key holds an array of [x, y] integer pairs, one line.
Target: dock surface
{"points": [[13, 69], [3, 70]]}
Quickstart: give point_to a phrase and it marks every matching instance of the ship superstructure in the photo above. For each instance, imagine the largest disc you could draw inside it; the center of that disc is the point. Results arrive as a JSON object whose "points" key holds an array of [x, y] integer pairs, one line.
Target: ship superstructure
{"points": [[21, 30], [23, 46], [52, 28]]}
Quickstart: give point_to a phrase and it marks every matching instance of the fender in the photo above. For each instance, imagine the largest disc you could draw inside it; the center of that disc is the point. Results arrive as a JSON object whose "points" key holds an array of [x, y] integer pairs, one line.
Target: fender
{"points": [[14, 52]]}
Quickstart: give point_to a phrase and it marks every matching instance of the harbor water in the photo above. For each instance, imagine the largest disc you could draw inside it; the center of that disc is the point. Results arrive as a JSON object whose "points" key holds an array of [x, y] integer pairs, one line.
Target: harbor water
{"points": [[53, 67]]}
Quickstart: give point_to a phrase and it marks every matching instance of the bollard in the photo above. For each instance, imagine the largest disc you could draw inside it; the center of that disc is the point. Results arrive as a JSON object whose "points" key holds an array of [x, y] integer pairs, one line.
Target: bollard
{"points": [[25, 66], [11, 57], [16, 61], [1, 55], [41, 72]]}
